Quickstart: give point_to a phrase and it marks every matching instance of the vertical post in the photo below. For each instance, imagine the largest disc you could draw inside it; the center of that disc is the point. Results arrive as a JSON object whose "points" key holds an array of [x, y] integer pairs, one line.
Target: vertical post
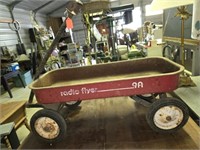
{"points": [[111, 34], [142, 8], [182, 42]]}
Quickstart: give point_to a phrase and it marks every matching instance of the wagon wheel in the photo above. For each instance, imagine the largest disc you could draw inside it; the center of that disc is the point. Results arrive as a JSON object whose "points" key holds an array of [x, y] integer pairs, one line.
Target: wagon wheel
{"points": [[48, 125], [148, 97], [167, 52], [170, 53], [72, 104], [167, 115]]}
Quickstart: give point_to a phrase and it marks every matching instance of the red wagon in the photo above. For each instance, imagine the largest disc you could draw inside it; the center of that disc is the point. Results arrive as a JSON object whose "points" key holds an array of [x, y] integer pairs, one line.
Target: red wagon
{"points": [[146, 79]]}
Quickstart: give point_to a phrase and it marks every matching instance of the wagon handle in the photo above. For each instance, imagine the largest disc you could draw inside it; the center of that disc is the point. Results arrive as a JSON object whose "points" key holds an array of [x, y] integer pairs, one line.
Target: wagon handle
{"points": [[50, 50], [44, 60]]}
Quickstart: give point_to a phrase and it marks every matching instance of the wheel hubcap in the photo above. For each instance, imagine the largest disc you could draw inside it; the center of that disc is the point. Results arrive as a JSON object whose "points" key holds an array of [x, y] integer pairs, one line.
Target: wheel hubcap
{"points": [[47, 128], [168, 117]]}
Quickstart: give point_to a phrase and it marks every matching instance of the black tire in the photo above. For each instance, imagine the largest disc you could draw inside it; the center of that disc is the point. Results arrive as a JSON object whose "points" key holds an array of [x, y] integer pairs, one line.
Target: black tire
{"points": [[165, 122], [148, 97], [176, 54], [167, 52], [52, 131], [72, 104], [170, 53]]}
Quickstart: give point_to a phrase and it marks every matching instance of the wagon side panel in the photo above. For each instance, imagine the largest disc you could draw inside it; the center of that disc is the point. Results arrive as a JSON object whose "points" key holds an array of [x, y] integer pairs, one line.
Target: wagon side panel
{"points": [[126, 87]]}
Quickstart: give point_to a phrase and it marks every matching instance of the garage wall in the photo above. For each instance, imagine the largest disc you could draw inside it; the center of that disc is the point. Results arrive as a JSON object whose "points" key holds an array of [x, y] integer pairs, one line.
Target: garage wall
{"points": [[8, 37], [172, 24], [26, 22], [156, 19], [23, 17]]}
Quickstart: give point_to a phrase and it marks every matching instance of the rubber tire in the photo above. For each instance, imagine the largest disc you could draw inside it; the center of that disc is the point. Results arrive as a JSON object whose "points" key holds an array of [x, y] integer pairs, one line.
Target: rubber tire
{"points": [[176, 53], [167, 49], [148, 98], [166, 102], [73, 106], [173, 52], [56, 117]]}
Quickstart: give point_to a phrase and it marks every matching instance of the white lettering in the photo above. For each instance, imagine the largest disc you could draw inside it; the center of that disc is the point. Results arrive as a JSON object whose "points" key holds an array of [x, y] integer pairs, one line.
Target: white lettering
{"points": [[84, 90], [70, 92], [138, 85]]}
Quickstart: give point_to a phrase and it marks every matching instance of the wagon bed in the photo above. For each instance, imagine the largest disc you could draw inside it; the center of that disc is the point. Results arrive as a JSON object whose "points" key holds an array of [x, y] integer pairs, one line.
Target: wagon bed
{"points": [[124, 78], [103, 79]]}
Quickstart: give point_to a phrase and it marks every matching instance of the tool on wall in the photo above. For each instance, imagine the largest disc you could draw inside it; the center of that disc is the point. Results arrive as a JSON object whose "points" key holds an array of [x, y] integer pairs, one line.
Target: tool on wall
{"points": [[14, 25]]}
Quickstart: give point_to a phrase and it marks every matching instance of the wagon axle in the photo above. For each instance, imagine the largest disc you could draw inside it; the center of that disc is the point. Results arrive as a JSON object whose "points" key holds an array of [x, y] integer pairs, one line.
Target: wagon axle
{"points": [[49, 128]]}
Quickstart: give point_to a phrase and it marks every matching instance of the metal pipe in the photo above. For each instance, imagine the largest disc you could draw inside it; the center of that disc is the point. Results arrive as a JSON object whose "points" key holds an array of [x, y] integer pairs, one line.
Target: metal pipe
{"points": [[182, 42], [14, 3]]}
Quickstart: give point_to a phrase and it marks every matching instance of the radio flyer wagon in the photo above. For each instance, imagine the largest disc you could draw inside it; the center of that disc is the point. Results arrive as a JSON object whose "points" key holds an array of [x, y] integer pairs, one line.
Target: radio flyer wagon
{"points": [[139, 77]]}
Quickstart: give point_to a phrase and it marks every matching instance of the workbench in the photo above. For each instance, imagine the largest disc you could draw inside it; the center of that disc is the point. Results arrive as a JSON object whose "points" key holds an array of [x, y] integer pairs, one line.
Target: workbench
{"points": [[14, 112], [116, 123]]}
